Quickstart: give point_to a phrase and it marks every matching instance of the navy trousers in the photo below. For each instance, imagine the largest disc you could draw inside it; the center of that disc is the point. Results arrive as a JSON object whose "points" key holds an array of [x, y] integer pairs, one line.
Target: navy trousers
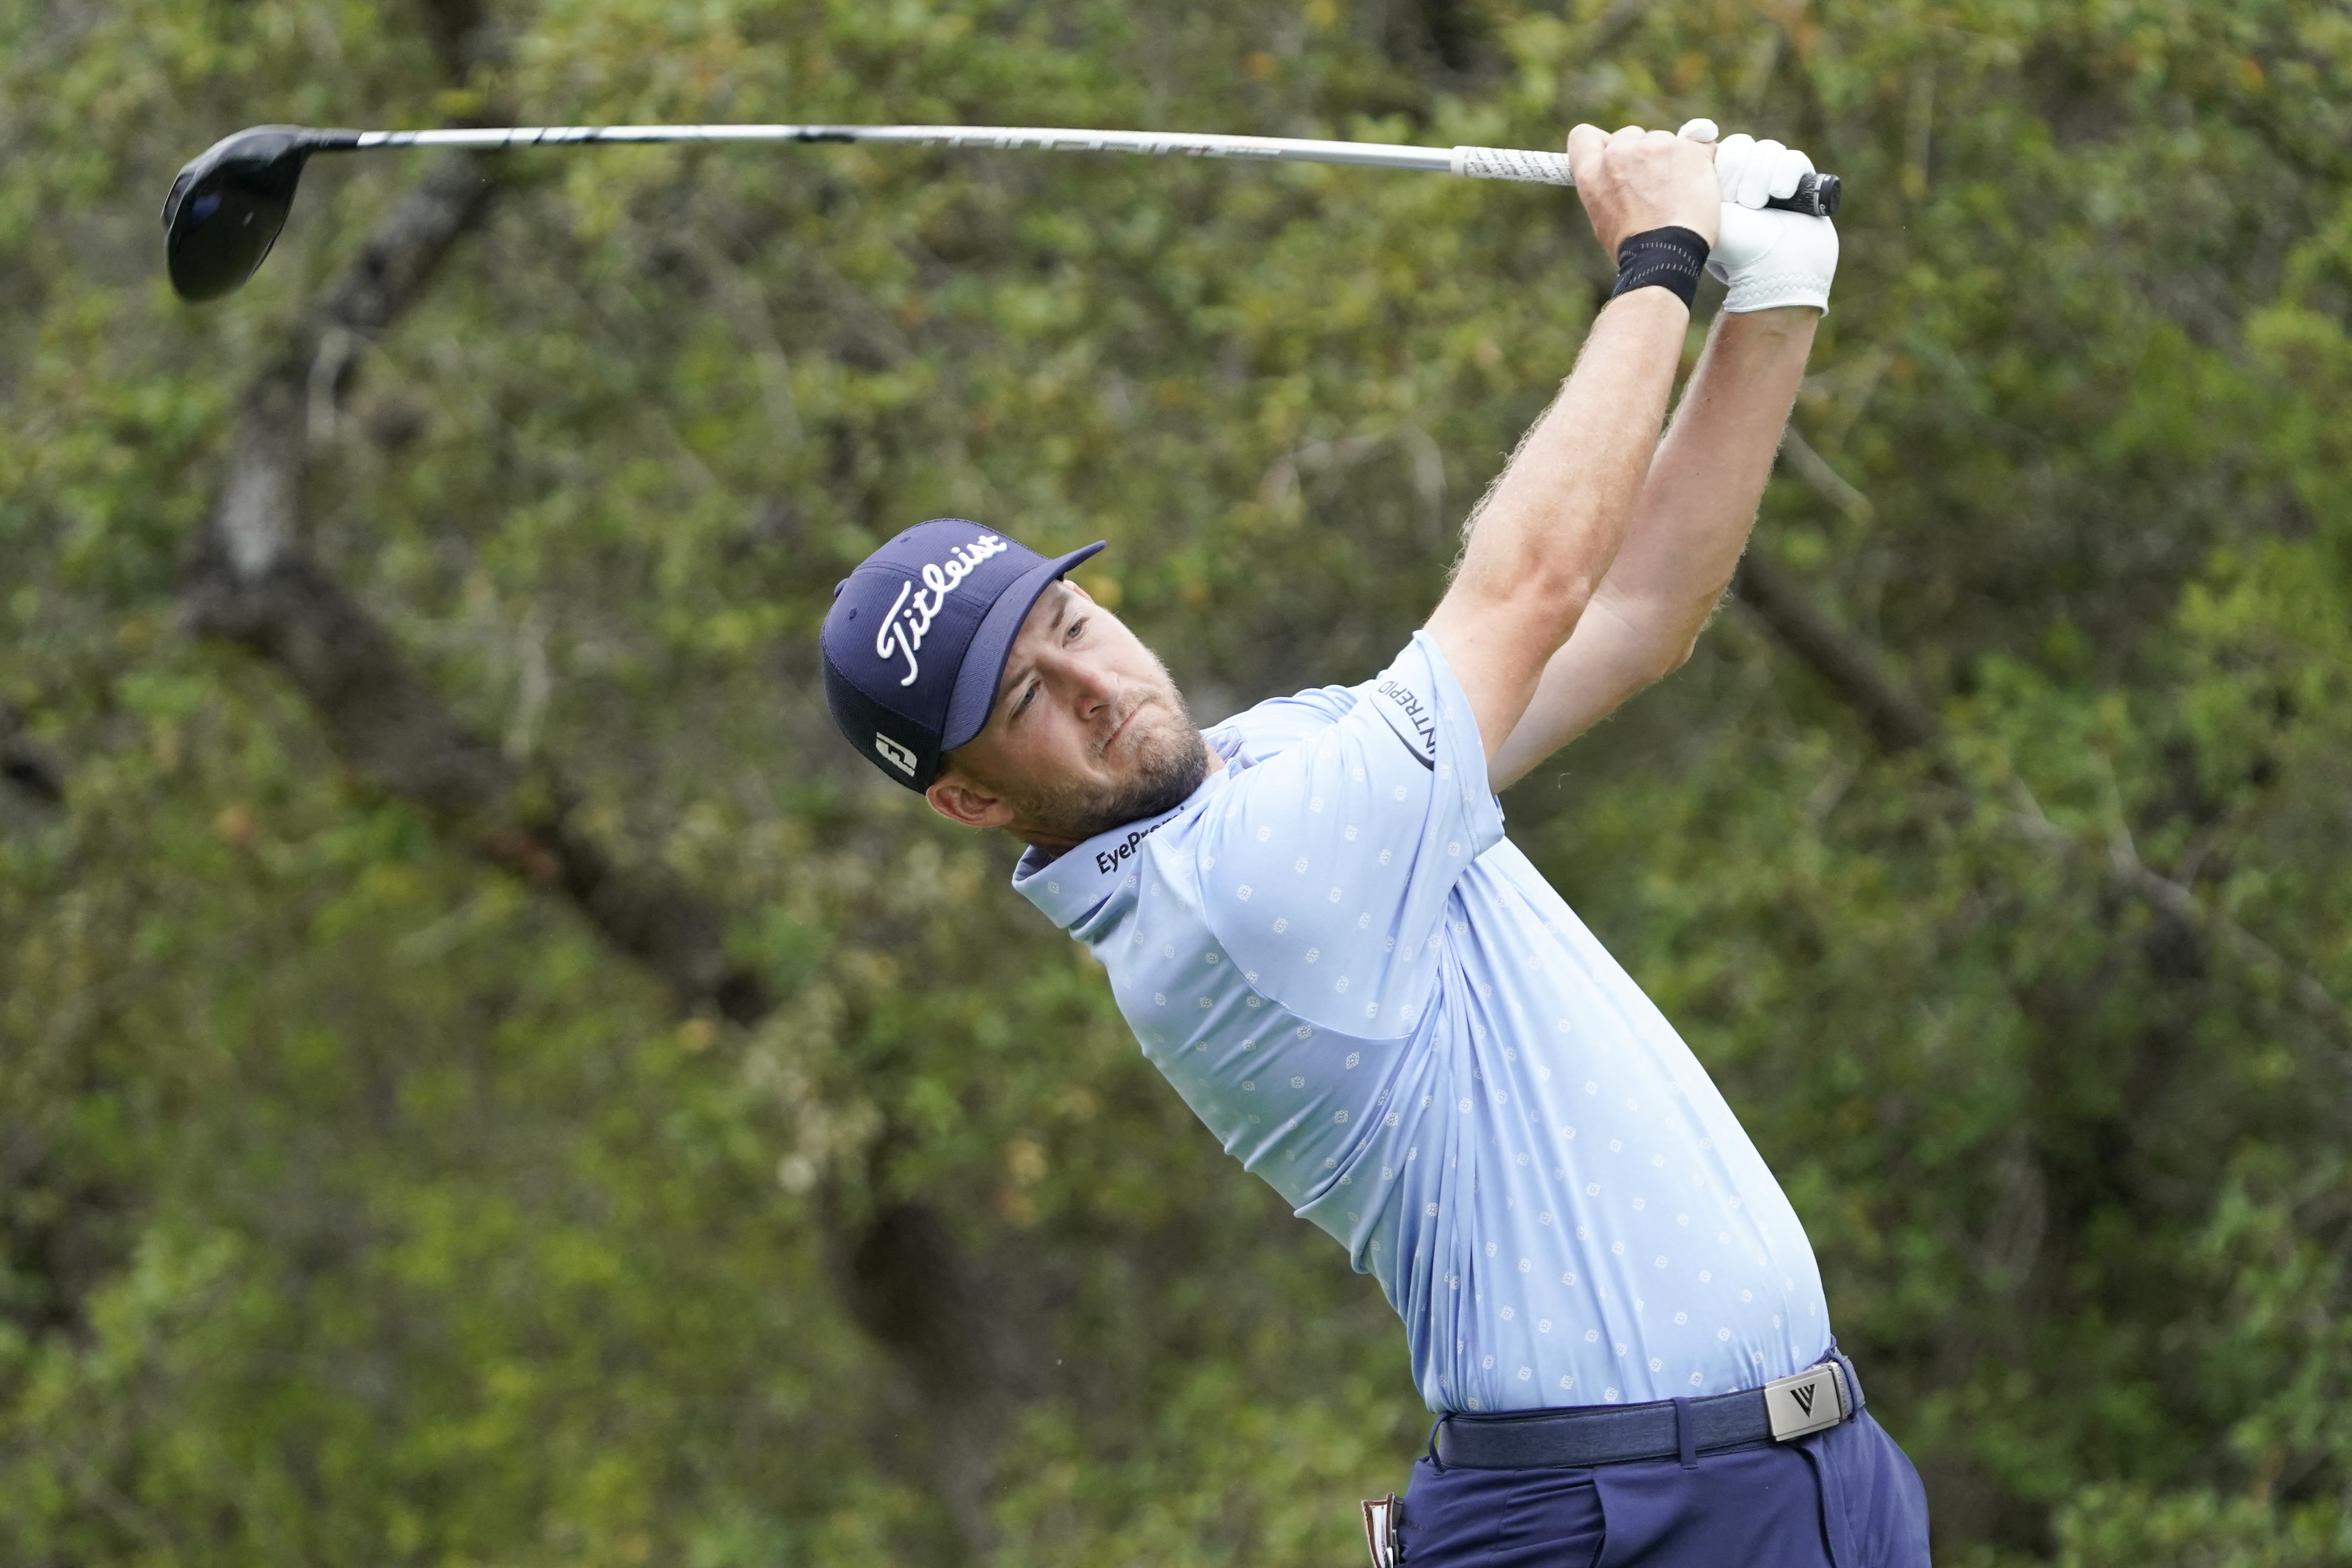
{"points": [[1844, 1497]]}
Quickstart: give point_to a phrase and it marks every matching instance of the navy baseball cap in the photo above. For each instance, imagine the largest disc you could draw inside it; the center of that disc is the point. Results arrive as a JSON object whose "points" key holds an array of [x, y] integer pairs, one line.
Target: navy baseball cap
{"points": [[917, 636]]}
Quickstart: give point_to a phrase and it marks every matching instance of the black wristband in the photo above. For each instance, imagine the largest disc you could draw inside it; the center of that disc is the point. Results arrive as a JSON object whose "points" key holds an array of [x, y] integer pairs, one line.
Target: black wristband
{"points": [[1670, 258]]}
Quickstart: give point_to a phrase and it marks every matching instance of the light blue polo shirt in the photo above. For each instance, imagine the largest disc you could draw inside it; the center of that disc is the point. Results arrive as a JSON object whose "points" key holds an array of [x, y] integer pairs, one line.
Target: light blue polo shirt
{"points": [[1377, 1004]]}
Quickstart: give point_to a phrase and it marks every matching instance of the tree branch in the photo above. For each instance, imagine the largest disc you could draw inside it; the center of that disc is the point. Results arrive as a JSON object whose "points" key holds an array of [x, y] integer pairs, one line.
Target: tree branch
{"points": [[909, 1286], [25, 765], [459, 40], [2178, 901], [257, 514], [250, 581], [1849, 666], [398, 737], [1897, 721], [1797, 455]]}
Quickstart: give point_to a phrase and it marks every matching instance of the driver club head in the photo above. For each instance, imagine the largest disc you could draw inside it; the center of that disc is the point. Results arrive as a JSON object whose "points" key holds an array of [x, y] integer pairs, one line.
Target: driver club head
{"points": [[229, 202]]}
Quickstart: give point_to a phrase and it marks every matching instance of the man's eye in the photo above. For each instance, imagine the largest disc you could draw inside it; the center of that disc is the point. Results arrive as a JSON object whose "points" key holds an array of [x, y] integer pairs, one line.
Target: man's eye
{"points": [[1075, 627], [1026, 698]]}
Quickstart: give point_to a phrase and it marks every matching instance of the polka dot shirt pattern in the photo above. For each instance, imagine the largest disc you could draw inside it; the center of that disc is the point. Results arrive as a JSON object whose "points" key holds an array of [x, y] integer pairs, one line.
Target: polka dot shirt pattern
{"points": [[1377, 1004]]}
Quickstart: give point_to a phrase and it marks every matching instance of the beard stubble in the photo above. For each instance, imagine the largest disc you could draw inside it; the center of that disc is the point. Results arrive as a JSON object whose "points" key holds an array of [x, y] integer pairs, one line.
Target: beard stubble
{"points": [[1171, 760]]}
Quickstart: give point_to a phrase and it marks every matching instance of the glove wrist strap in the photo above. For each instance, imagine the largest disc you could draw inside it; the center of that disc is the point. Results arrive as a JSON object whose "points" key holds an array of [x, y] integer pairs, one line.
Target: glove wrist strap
{"points": [[1771, 291]]}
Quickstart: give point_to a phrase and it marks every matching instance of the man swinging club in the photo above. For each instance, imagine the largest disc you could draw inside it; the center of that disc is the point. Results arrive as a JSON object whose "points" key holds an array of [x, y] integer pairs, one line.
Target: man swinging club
{"points": [[1311, 918]]}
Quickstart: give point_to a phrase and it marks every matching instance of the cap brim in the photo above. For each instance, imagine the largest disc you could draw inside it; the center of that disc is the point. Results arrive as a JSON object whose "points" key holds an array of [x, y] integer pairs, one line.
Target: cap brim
{"points": [[984, 657]]}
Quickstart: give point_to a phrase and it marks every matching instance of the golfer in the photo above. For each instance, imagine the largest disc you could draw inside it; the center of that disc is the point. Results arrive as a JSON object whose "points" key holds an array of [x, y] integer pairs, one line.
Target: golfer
{"points": [[1311, 918]]}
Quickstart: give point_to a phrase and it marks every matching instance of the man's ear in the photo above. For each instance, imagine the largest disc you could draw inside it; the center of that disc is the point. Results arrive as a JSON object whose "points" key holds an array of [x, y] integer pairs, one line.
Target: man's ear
{"points": [[958, 799]]}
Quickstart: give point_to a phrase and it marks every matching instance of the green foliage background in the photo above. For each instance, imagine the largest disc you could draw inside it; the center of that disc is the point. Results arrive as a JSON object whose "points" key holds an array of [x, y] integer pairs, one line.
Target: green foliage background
{"points": [[361, 1207]]}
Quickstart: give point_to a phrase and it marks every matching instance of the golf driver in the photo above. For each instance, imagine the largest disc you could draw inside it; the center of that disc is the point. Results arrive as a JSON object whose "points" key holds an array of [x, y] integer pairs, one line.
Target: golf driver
{"points": [[227, 204]]}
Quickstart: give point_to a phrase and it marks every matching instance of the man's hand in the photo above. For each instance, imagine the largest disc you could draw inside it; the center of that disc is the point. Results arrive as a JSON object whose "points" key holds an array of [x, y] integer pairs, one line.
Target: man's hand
{"points": [[1639, 180], [1765, 258]]}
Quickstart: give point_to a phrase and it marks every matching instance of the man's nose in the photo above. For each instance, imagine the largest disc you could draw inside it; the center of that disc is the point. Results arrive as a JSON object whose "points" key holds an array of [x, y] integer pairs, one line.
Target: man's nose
{"points": [[1091, 687]]}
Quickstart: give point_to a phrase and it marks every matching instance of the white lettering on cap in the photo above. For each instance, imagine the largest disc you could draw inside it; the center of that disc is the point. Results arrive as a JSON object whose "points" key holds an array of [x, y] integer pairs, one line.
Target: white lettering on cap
{"points": [[902, 634], [898, 756]]}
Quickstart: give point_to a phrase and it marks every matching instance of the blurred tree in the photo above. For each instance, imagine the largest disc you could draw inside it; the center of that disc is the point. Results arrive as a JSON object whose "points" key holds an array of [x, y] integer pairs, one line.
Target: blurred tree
{"points": [[491, 1079]]}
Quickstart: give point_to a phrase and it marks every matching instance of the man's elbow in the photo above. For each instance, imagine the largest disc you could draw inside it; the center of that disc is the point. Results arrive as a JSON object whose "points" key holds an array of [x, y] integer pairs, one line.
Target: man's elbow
{"points": [[1679, 637], [1527, 603], [1671, 654], [1559, 597]]}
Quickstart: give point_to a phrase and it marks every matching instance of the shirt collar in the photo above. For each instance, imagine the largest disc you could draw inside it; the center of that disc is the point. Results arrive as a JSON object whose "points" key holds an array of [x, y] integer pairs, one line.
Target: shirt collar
{"points": [[1075, 883]]}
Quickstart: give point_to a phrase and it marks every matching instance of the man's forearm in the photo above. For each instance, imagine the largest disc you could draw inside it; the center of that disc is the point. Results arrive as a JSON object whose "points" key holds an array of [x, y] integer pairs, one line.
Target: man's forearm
{"points": [[1688, 528], [1699, 501], [1547, 533]]}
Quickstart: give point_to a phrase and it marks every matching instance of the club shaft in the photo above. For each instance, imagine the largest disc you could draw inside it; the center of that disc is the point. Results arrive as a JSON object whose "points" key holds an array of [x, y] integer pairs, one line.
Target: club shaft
{"points": [[1477, 163]]}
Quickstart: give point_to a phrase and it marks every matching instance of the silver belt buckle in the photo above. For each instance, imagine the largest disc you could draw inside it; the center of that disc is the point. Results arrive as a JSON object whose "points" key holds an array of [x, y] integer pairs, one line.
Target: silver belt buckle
{"points": [[1380, 1521], [1812, 1401]]}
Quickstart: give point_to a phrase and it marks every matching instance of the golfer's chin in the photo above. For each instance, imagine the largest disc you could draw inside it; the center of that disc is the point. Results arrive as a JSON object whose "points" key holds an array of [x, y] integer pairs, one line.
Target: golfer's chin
{"points": [[1152, 764], [1140, 736], [1157, 743]]}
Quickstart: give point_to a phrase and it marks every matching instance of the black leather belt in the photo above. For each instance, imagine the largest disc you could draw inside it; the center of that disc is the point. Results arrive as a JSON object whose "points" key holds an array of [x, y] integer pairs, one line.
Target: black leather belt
{"points": [[1781, 1411]]}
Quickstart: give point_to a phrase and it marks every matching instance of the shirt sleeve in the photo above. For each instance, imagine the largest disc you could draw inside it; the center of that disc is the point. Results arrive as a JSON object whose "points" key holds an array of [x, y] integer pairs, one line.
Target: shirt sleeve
{"points": [[1325, 869]]}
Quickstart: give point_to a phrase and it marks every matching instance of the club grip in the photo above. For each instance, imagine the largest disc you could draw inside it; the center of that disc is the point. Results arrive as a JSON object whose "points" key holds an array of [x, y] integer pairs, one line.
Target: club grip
{"points": [[1817, 195]]}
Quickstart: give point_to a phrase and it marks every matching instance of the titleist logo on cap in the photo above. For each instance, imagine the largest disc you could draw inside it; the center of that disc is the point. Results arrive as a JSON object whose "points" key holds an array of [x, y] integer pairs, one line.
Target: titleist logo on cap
{"points": [[911, 612]]}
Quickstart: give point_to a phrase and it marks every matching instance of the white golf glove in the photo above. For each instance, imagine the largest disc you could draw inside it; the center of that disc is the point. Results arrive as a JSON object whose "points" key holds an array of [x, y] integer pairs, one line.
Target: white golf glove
{"points": [[1764, 257]]}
